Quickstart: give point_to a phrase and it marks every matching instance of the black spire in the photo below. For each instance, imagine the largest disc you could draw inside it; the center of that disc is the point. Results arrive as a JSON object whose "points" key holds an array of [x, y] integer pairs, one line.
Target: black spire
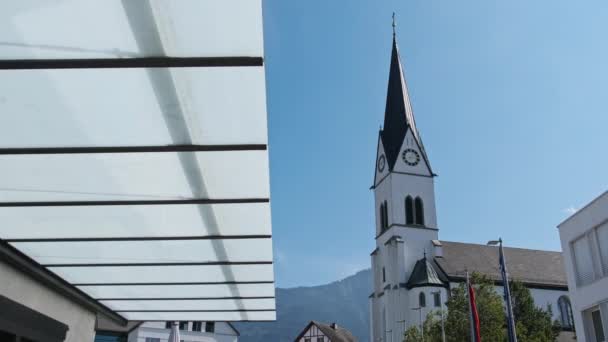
{"points": [[398, 116]]}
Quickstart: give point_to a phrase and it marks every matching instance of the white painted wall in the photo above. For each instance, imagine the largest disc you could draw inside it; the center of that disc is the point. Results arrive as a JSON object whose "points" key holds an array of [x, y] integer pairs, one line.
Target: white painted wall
{"points": [[398, 257], [595, 294], [20, 288]]}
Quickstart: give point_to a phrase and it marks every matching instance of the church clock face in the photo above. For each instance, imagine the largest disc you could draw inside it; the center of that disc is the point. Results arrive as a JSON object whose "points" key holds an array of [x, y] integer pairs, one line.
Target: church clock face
{"points": [[411, 157], [381, 163]]}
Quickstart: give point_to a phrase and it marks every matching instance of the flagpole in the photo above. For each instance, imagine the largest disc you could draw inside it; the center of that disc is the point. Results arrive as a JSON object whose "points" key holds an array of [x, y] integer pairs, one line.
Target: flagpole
{"points": [[505, 280], [471, 323]]}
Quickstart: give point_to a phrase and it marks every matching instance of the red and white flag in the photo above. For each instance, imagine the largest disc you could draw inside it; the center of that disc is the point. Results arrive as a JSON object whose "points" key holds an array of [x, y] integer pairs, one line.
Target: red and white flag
{"points": [[473, 315]]}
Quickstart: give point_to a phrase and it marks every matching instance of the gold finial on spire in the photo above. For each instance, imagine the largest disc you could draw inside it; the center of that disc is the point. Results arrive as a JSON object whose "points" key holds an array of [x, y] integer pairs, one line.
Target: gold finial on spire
{"points": [[394, 24]]}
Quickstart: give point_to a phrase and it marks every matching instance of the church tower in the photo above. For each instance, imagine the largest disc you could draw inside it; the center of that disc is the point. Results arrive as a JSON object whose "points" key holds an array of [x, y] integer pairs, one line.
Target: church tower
{"points": [[406, 221]]}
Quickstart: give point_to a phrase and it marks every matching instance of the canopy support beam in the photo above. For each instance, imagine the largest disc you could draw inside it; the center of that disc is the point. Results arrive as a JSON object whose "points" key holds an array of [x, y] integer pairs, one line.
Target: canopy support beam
{"points": [[137, 62]]}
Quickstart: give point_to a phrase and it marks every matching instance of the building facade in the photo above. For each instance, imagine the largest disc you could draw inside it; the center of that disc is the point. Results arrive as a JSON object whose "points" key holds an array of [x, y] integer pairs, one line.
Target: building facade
{"points": [[413, 270], [189, 332], [584, 239]]}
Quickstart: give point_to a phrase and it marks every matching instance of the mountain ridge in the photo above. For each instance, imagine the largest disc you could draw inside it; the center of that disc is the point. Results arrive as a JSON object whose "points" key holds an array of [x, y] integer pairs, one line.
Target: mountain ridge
{"points": [[343, 301]]}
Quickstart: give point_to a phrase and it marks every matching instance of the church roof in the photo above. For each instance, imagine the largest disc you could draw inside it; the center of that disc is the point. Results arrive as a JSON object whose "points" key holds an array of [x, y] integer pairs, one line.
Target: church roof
{"points": [[398, 115], [532, 267], [334, 332], [425, 273]]}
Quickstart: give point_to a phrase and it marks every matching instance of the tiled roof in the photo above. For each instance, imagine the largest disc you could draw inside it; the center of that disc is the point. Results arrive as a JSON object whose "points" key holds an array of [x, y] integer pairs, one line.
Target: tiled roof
{"points": [[533, 267], [338, 334]]}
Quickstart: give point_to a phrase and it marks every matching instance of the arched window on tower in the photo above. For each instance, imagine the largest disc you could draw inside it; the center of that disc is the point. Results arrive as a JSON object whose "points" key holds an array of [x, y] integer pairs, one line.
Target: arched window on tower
{"points": [[409, 210], [419, 218], [381, 215], [385, 215], [565, 311], [422, 300]]}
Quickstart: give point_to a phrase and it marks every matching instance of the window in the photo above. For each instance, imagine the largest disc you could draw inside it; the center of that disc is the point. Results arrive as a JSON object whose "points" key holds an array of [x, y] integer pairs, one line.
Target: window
{"points": [[437, 299], [382, 223], [210, 327], [583, 263], [383, 275], [306, 340], [565, 312], [168, 325], [602, 241], [422, 300], [385, 215], [409, 210], [183, 325], [598, 328], [320, 339], [152, 339], [197, 326], [419, 211]]}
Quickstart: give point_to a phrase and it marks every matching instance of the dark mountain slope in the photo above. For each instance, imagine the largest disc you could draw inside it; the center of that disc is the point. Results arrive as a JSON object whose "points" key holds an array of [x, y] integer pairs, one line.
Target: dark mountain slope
{"points": [[344, 302]]}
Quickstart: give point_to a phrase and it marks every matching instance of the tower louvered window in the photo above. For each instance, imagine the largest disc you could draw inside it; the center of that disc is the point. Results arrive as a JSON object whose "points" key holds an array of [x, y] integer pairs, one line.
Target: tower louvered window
{"points": [[409, 210], [419, 211], [381, 214], [384, 216]]}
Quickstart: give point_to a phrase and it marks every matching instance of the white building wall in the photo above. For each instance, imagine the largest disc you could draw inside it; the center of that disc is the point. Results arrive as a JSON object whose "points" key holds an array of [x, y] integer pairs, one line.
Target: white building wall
{"points": [[22, 289], [223, 333], [594, 295], [391, 312], [544, 297]]}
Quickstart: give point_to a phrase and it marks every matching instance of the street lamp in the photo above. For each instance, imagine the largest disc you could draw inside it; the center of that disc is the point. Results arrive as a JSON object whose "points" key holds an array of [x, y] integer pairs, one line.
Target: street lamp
{"points": [[505, 280], [438, 292], [402, 321], [419, 309]]}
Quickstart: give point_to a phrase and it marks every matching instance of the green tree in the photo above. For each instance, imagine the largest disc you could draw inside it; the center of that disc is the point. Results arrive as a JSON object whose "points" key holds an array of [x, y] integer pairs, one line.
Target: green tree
{"points": [[533, 324], [489, 307], [431, 326]]}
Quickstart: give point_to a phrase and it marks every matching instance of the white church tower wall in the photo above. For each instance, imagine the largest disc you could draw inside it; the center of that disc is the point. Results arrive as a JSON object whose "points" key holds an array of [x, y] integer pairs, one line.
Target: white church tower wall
{"points": [[406, 220]]}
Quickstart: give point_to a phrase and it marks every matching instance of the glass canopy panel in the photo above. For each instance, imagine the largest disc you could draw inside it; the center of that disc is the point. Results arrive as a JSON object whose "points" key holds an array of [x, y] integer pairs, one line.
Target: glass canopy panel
{"points": [[152, 251], [164, 274], [133, 107], [190, 304], [40, 29], [162, 171], [201, 316], [179, 291], [135, 221], [125, 176]]}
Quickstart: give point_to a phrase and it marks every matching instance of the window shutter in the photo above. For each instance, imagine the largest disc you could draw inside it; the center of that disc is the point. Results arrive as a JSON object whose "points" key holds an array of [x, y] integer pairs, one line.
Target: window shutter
{"points": [[583, 262], [602, 241]]}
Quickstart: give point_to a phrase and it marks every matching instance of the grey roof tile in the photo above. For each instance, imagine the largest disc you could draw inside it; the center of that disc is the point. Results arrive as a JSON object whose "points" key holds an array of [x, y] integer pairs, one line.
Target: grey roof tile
{"points": [[533, 267], [338, 334]]}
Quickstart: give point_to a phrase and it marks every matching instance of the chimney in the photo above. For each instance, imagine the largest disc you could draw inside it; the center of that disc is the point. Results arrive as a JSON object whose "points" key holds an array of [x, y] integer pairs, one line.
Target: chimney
{"points": [[334, 326], [438, 248]]}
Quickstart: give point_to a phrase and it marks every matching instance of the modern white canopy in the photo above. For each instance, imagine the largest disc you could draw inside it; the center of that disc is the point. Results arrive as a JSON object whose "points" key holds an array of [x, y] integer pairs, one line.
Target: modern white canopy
{"points": [[133, 153]]}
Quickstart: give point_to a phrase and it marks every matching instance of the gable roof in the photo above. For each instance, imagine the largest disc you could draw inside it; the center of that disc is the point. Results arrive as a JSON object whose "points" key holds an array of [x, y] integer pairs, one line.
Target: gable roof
{"points": [[398, 115], [426, 273], [532, 267], [337, 334]]}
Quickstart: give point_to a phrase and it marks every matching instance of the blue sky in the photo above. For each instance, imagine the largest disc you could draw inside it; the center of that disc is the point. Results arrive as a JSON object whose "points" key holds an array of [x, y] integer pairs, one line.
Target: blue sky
{"points": [[509, 97]]}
